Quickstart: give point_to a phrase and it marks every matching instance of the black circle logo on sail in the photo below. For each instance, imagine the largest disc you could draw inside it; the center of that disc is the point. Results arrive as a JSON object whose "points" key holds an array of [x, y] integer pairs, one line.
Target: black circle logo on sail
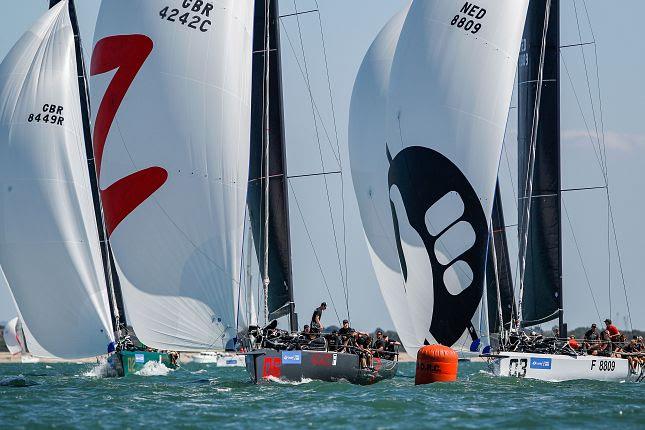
{"points": [[423, 176]]}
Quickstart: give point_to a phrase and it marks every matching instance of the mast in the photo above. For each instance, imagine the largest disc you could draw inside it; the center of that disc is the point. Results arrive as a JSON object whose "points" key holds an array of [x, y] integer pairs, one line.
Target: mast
{"points": [[539, 166], [116, 303], [268, 193], [266, 155]]}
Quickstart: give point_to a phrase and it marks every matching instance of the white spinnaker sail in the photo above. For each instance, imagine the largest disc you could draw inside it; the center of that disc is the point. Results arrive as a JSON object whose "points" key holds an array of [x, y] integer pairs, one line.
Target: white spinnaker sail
{"points": [[49, 246], [171, 89], [10, 336], [367, 131], [425, 181]]}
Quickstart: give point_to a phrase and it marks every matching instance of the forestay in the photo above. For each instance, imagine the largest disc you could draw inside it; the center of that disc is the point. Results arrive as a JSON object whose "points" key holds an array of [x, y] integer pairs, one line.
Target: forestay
{"points": [[49, 246], [425, 180], [171, 94]]}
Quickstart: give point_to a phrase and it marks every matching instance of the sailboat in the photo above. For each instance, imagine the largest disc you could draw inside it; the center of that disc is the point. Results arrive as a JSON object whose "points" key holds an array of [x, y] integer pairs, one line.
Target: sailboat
{"points": [[50, 247], [269, 216], [540, 222], [171, 87], [55, 252], [427, 122]]}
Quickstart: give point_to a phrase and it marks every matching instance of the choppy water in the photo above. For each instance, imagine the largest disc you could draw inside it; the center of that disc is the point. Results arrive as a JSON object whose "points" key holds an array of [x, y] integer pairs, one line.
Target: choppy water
{"points": [[66, 396]]}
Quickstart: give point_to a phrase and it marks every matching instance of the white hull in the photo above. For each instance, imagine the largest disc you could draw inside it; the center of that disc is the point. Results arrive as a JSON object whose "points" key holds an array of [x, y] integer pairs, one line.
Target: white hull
{"points": [[548, 367], [220, 359]]}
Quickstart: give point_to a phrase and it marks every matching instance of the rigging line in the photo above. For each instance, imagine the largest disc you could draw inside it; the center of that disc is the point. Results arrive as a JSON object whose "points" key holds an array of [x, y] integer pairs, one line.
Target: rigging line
{"points": [[313, 100], [320, 152], [310, 175], [582, 114], [299, 13], [602, 119], [591, 100], [239, 285], [342, 184], [313, 248], [602, 146], [620, 264], [510, 174], [582, 263]]}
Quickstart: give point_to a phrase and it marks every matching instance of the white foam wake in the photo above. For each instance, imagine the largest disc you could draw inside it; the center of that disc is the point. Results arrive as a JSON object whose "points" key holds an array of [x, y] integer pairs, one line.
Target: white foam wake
{"points": [[283, 382], [154, 368], [101, 370]]}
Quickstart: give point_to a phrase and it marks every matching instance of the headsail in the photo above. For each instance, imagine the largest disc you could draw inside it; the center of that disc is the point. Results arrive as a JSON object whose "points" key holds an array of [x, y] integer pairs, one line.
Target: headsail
{"points": [[499, 277], [11, 336], [543, 273], [280, 295], [49, 243], [171, 87], [433, 171]]}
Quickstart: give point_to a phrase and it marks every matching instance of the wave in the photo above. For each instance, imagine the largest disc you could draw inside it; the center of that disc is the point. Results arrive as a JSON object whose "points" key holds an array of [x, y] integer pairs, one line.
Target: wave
{"points": [[17, 381], [283, 382], [154, 368], [101, 370]]}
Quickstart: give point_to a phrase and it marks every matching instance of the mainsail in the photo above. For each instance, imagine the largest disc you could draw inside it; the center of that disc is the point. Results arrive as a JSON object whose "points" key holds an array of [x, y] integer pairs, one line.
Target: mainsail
{"points": [[542, 277], [171, 87], [427, 178], [280, 297], [49, 242]]}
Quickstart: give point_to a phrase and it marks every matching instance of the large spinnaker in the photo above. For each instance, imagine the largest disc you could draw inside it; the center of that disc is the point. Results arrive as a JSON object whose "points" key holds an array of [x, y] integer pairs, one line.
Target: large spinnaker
{"points": [[435, 167], [171, 87], [49, 242], [367, 135]]}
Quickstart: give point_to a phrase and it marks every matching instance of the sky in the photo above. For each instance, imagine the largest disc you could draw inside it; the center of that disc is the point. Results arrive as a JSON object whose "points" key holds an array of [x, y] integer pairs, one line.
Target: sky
{"points": [[347, 29]]}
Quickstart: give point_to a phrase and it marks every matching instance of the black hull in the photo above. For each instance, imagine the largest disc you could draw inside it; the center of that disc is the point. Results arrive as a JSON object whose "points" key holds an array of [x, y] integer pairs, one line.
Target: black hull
{"points": [[294, 366]]}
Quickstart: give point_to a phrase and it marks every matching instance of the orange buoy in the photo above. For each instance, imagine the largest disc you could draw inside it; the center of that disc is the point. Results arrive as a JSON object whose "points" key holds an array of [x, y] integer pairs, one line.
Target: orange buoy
{"points": [[436, 363]]}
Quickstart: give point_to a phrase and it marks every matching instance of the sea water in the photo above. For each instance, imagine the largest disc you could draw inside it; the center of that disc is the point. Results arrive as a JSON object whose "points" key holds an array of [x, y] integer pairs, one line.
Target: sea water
{"points": [[204, 396]]}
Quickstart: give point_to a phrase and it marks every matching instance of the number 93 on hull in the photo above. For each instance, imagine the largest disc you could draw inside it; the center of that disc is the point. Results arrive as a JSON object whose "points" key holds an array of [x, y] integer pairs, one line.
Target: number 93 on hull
{"points": [[556, 368]]}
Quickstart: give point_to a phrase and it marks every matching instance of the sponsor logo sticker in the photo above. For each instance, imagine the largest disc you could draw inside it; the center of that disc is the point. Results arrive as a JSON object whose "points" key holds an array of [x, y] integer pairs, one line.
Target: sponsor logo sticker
{"points": [[540, 363], [321, 360], [291, 357], [334, 360], [139, 358]]}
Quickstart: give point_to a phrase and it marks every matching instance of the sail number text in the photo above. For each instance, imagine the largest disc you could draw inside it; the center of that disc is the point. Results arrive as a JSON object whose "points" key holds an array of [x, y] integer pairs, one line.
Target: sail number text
{"points": [[195, 14], [604, 365], [469, 18], [51, 114], [517, 367]]}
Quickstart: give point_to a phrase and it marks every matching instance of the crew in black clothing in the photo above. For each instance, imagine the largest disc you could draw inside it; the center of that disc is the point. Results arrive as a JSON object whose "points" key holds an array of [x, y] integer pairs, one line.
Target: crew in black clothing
{"points": [[379, 344], [316, 325], [591, 337]]}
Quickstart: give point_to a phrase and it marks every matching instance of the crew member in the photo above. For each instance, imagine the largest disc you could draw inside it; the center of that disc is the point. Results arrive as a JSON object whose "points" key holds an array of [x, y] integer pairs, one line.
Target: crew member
{"points": [[573, 343], [316, 325], [345, 334], [591, 337], [614, 333], [379, 344]]}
